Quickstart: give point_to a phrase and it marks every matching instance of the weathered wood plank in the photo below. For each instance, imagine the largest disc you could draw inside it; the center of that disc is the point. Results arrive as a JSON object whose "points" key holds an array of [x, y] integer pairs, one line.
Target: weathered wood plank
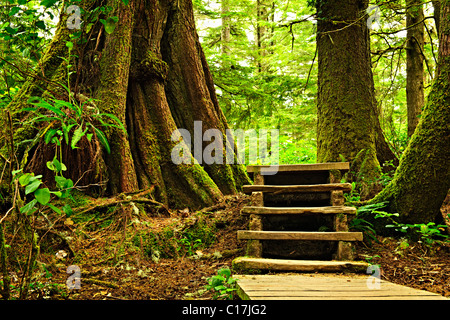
{"points": [[246, 263], [345, 166], [298, 210], [299, 235], [346, 187], [323, 287]]}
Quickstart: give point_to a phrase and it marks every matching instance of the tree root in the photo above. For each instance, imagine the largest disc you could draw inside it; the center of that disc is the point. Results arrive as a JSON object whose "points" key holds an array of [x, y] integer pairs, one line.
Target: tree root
{"points": [[120, 199]]}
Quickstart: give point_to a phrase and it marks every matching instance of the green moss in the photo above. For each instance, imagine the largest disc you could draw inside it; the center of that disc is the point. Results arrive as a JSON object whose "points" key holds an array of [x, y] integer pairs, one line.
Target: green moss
{"points": [[179, 238]]}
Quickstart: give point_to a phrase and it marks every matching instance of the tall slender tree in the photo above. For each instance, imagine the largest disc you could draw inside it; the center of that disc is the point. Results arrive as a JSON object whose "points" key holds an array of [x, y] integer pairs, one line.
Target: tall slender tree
{"points": [[347, 118], [414, 62], [151, 73]]}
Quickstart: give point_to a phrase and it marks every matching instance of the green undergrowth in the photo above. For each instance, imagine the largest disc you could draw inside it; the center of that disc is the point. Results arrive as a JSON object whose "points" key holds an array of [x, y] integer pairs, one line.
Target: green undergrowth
{"points": [[177, 239]]}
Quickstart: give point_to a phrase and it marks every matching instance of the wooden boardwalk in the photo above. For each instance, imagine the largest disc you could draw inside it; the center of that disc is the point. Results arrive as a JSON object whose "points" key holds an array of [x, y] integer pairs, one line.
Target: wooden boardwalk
{"points": [[325, 287]]}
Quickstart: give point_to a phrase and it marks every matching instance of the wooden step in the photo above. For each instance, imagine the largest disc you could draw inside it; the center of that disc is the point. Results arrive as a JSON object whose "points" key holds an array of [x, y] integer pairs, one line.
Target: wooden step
{"points": [[344, 166], [346, 187], [242, 263], [299, 235], [298, 210]]}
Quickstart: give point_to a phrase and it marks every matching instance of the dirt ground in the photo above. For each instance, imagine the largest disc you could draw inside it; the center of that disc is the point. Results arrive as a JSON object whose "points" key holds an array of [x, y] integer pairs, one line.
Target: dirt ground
{"points": [[117, 264]]}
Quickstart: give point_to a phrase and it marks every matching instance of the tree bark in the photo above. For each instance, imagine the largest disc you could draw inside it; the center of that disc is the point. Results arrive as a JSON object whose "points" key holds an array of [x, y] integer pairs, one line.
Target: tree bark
{"points": [[152, 74], [414, 63], [347, 118], [422, 180], [190, 91]]}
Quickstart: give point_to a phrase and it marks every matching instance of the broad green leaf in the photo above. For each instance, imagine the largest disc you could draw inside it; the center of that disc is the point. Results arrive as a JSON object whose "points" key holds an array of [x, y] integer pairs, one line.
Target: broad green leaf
{"points": [[40, 25], [30, 205], [57, 193], [66, 130], [67, 210], [48, 3], [16, 172], [125, 2], [10, 81], [42, 195], [25, 179], [44, 104], [68, 184], [60, 182], [109, 24], [59, 166], [225, 272], [51, 166], [63, 183], [49, 135], [32, 186], [57, 210], [77, 135], [13, 11], [102, 138], [11, 30], [35, 177], [113, 117]]}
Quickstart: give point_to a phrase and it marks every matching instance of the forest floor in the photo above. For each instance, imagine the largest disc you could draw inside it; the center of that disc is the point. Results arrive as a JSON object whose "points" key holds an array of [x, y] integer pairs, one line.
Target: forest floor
{"points": [[164, 257]]}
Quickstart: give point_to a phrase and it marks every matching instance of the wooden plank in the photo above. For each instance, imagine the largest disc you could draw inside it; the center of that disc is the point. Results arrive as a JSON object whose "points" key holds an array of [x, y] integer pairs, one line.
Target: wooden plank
{"points": [[345, 166], [299, 235], [298, 210], [247, 263], [346, 187], [323, 287], [345, 298]]}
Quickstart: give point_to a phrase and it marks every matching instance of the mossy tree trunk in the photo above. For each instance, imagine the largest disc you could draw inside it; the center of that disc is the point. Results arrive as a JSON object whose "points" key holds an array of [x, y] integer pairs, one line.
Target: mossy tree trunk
{"points": [[152, 74], [347, 118], [422, 180]]}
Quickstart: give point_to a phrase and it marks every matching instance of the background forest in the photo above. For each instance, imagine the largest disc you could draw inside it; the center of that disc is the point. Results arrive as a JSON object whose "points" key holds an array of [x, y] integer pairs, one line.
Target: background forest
{"points": [[262, 55], [263, 58]]}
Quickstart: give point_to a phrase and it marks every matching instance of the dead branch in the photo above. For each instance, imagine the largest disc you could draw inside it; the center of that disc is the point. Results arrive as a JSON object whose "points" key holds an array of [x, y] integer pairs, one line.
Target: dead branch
{"points": [[120, 199]]}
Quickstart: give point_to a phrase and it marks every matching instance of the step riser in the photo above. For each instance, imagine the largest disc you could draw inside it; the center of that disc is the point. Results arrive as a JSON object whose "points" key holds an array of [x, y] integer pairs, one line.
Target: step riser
{"points": [[298, 265], [295, 211], [344, 166], [345, 187], [283, 235]]}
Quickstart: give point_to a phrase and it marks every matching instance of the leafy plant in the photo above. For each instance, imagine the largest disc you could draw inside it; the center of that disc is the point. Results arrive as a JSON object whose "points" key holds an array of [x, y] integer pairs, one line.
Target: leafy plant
{"points": [[365, 213], [428, 233], [353, 195], [222, 284], [41, 195], [64, 116], [191, 245]]}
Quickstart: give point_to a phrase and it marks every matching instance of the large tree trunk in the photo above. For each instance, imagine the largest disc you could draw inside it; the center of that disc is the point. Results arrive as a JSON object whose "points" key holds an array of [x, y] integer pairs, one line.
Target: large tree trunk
{"points": [[422, 180], [414, 63], [347, 118], [152, 74]]}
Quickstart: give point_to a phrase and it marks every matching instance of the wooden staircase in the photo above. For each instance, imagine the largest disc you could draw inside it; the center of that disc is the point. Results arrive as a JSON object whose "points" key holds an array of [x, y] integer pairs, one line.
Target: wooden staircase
{"points": [[298, 221]]}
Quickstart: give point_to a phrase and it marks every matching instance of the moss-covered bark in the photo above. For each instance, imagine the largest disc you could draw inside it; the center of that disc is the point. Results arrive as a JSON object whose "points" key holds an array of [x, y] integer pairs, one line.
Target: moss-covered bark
{"points": [[112, 96], [422, 179], [131, 81], [43, 79], [347, 118], [415, 99], [190, 90]]}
